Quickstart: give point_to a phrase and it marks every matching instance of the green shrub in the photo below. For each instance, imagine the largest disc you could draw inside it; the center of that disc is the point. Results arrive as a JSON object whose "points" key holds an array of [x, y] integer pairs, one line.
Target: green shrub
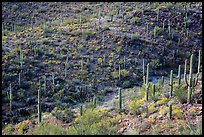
{"points": [[190, 129], [127, 84], [136, 106], [181, 94], [115, 74], [94, 122], [63, 114], [9, 129], [124, 72], [154, 64], [48, 129]]}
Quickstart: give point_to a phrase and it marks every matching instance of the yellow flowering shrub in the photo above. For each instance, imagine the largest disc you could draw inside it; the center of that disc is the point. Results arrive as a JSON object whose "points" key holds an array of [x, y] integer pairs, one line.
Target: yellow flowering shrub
{"points": [[162, 101], [177, 112], [152, 108], [163, 110], [135, 105]]}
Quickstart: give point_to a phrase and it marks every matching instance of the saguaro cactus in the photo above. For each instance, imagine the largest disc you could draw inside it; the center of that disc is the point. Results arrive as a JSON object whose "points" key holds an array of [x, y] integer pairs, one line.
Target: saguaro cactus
{"points": [[81, 109], [45, 84], [120, 99], [10, 97], [94, 101], [179, 75], [154, 89], [39, 104], [169, 28], [162, 81], [124, 62], [185, 69], [21, 58], [19, 78], [147, 29], [171, 83], [119, 72], [147, 82], [170, 111], [143, 71], [192, 81]]}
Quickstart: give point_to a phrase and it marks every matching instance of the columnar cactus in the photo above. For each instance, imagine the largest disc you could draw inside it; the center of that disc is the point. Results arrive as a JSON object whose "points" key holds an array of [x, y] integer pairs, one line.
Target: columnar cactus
{"points": [[155, 32], [143, 71], [171, 83], [147, 82], [10, 97], [158, 15], [99, 18], [163, 25], [199, 59], [192, 81], [120, 99], [154, 89], [104, 60], [39, 104], [124, 62], [19, 78], [53, 82], [45, 84], [94, 101], [185, 70], [81, 109], [81, 64], [147, 29], [169, 28], [170, 111], [119, 72], [21, 58], [162, 81], [179, 75]]}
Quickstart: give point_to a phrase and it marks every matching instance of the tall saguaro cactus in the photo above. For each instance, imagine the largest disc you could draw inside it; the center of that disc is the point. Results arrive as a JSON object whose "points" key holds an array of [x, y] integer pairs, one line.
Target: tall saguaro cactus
{"points": [[171, 83], [120, 99], [185, 70], [39, 104], [179, 75], [192, 81], [143, 71], [146, 81], [45, 84], [19, 78], [81, 110], [119, 72], [170, 111], [10, 97]]}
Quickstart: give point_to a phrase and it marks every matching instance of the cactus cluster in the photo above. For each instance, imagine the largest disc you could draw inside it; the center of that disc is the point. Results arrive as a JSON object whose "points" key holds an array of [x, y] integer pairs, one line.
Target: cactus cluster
{"points": [[146, 79], [192, 81]]}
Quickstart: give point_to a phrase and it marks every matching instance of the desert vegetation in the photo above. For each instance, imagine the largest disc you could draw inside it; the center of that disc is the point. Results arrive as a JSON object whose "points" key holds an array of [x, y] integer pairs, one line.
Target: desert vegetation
{"points": [[101, 68]]}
